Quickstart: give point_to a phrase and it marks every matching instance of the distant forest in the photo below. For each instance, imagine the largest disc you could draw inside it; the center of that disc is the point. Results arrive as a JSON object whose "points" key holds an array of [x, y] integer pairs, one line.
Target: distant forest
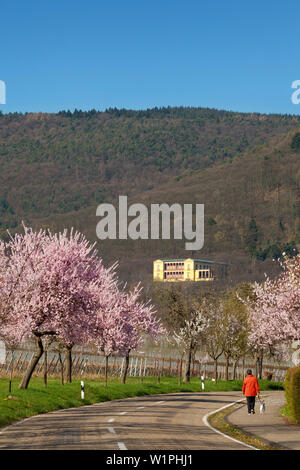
{"points": [[245, 168]]}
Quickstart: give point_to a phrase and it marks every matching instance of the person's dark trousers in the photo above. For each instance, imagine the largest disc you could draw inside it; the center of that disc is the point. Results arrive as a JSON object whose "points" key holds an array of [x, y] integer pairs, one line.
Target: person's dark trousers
{"points": [[251, 403]]}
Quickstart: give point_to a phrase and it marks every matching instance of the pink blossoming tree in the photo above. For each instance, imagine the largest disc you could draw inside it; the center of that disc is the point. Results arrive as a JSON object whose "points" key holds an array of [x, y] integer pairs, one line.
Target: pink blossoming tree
{"points": [[275, 315], [122, 323], [47, 288]]}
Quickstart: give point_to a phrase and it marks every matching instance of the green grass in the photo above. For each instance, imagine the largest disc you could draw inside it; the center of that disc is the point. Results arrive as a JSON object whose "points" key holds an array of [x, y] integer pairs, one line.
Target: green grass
{"points": [[38, 399], [285, 411]]}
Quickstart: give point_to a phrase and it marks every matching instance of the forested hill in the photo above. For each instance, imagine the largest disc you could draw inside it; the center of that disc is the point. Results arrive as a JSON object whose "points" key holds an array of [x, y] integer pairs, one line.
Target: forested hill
{"points": [[56, 168]]}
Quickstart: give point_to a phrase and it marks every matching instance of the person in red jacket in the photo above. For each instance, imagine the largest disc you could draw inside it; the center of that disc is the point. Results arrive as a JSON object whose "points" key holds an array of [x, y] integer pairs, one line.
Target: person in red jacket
{"points": [[250, 390]]}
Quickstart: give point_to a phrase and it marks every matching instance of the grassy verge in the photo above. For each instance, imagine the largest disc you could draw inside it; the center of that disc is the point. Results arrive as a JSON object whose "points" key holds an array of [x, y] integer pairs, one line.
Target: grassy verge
{"points": [[38, 399], [284, 411], [218, 421]]}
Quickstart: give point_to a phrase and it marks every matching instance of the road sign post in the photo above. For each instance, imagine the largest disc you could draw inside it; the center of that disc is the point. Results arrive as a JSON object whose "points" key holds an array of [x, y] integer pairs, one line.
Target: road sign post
{"points": [[202, 382]]}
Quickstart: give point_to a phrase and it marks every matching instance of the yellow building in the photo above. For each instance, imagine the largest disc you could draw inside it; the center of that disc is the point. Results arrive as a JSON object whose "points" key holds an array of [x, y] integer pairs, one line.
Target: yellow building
{"points": [[170, 270]]}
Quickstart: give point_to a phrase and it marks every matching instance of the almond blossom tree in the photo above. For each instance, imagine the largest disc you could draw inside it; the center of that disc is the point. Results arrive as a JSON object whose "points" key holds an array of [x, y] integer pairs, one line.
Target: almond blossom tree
{"points": [[48, 288], [216, 335], [189, 337], [107, 335], [235, 330], [3, 296], [275, 316], [141, 321], [17, 257], [122, 322]]}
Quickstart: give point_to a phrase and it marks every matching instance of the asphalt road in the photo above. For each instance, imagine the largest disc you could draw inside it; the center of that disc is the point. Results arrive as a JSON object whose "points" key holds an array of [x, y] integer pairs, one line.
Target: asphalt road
{"points": [[155, 422]]}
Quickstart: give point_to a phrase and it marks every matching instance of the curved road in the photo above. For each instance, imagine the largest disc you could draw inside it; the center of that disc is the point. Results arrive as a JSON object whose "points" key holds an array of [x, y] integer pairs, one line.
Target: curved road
{"points": [[154, 422]]}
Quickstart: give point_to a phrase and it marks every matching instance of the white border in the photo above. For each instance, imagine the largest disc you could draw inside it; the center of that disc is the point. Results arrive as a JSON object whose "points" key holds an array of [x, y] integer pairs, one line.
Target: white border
{"points": [[205, 421]]}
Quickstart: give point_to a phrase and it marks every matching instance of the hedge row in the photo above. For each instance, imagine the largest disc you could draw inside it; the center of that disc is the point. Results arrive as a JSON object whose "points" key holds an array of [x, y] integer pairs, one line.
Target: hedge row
{"points": [[292, 393]]}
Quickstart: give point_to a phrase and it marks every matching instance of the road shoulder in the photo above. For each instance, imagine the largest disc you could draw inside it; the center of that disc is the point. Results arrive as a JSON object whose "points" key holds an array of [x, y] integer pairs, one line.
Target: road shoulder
{"points": [[270, 426]]}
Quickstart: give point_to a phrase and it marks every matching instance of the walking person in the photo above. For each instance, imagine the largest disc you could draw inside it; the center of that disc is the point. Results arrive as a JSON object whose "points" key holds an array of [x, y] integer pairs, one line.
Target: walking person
{"points": [[250, 390]]}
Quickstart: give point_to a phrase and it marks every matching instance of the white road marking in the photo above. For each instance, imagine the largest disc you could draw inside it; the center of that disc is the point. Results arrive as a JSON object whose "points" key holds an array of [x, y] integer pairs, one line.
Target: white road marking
{"points": [[111, 420], [205, 421], [122, 446]]}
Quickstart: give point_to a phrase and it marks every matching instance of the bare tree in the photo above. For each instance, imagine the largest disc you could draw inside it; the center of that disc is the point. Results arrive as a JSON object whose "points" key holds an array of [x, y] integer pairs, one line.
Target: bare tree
{"points": [[189, 337], [215, 338]]}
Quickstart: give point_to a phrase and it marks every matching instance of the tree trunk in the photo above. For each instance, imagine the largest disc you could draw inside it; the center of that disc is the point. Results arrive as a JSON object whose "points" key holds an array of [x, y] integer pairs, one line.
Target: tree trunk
{"points": [[257, 365], [180, 372], [161, 370], [126, 366], [45, 367], [11, 373], [260, 364], [69, 364], [61, 369], [216, 369], [187, 371], [227, 368], [106, 370], [33, 363], [234, 369], [158, 372]]}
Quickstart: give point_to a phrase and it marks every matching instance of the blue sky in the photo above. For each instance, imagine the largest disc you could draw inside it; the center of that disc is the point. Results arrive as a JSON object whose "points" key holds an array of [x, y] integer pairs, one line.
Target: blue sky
{"points": [[234, 55]]}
